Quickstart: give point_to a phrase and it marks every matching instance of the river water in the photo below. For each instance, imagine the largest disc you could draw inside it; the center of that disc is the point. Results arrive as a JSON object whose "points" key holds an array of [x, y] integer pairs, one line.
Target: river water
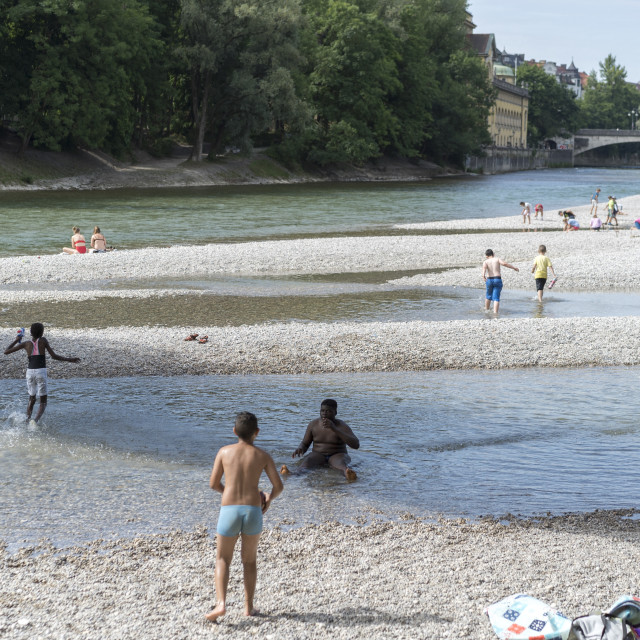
{"points": [[126, 456], [40, 222]]}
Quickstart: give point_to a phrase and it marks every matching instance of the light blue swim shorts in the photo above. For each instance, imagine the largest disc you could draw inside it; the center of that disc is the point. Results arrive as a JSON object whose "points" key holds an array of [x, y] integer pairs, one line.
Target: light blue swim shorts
{"points": [[239, 518]]}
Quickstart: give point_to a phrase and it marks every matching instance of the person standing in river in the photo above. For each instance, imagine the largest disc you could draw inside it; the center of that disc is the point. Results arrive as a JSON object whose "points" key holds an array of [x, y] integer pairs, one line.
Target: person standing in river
{"points": [[37, 367], [594, 202], [493, 279], [540, 266]]}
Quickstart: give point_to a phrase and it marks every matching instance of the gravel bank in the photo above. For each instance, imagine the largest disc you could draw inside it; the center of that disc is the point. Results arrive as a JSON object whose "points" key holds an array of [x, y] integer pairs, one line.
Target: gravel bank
{"points": [[586, 260], [408, 579], [340, 347], [630, 211]]}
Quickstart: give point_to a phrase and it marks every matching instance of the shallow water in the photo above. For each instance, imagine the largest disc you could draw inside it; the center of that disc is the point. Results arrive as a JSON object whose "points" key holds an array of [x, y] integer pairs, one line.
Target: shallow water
{"points": [[40, 222], [277, 301], [133, 455], [125, 456]]}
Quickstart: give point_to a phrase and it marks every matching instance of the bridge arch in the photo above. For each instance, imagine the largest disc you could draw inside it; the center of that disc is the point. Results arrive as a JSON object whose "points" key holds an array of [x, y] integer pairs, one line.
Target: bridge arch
{"points": [[587, 139]]}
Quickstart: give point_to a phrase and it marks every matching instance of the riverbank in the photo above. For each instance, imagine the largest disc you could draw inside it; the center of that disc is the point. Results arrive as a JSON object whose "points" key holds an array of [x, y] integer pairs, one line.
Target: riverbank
{"points": [[585, 260], [408, 579], [91, 170]]}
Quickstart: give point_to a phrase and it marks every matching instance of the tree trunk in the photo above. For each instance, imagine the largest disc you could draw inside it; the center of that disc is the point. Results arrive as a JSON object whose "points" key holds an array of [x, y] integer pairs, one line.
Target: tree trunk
{"points": [[201, 120], [26, 139]]}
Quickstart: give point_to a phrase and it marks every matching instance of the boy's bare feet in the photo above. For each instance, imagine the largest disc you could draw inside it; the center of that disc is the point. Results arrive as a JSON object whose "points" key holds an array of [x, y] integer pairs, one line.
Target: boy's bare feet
{"points": [[216, 613], [284, 470], [350, 474], [252, 612]]}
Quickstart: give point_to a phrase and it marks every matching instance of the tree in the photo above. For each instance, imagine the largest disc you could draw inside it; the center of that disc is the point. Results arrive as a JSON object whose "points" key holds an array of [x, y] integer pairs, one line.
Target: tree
{"points": [[393, 76], [446, 93], [352, 77], [80, 64], [553, 110], [239, 56], [607, 100]]}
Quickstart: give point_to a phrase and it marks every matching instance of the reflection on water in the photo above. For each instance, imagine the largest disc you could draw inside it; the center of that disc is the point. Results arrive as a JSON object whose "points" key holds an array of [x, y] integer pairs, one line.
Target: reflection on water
{"points": [[121, 456], [163, 217]]}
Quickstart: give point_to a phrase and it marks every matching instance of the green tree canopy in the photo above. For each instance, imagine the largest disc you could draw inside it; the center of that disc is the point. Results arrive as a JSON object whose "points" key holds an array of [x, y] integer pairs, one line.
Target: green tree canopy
{"points": [[239, 56], [322, 80], [553, 110], [80, 66], [446, 93], [393, 76], [608, 98], [353, 76]]}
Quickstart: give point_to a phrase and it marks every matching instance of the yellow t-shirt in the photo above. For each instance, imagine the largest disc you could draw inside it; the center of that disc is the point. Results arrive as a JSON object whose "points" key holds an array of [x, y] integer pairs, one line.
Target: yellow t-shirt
{"points": [[542, 263]]}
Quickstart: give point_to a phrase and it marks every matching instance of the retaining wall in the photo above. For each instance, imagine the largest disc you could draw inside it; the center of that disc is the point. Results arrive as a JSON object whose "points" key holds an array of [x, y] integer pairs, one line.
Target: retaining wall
{"points": [[508, 159]]}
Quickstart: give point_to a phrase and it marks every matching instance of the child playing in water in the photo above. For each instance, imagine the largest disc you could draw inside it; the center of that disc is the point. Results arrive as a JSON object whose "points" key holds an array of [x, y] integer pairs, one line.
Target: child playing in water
{"points": [[242, 507], [37, 367], [493, 279], [540, 266]]}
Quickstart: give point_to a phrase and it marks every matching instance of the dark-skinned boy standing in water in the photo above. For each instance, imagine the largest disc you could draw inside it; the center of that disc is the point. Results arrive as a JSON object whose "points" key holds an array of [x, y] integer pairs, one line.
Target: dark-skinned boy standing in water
{"points": [[36, 349]]}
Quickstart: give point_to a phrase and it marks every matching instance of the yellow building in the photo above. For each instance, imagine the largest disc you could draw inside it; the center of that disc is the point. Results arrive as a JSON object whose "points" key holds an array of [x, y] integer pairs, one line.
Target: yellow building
{"points": [[508, 116]]}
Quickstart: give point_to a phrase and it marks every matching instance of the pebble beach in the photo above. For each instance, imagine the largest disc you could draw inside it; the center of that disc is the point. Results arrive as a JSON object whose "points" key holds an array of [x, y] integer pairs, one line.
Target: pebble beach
{"points": [[410, 578]]}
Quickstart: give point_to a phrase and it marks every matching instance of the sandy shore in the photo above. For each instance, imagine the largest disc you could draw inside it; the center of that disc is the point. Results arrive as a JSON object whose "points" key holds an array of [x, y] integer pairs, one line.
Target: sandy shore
{"points": [[407, 579]]}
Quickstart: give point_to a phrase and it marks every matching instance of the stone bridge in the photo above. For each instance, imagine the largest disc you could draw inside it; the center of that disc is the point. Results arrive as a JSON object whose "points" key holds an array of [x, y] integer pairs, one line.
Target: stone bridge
{"points": [[587, 139]]}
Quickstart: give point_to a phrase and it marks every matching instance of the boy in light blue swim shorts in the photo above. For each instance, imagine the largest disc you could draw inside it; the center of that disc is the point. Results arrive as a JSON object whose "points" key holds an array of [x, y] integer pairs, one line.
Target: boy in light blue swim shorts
{"points": [[242, 507]]}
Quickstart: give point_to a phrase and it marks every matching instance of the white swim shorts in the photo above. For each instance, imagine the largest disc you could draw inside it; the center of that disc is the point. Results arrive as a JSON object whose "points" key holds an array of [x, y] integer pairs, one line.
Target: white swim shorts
{"points": [[37, 382]]}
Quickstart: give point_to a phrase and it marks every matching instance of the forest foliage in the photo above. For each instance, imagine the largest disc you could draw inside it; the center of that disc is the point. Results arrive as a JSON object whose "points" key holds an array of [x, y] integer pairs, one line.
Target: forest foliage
{"points": [[322, 81], [315, 80]]}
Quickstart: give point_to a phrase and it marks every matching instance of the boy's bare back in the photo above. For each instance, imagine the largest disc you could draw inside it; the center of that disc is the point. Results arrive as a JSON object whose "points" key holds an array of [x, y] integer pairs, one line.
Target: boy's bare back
{"points": [[492, 267], [242, 465]]}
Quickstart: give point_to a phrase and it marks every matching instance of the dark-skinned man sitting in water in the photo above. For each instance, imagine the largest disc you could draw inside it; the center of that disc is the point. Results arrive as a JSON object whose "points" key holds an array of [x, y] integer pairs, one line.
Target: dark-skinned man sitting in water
{"points": [[330, 437]]}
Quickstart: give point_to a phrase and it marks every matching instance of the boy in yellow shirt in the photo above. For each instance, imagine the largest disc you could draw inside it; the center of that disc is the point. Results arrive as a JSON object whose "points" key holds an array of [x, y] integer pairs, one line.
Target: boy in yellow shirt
{"points": [[540, 266]]}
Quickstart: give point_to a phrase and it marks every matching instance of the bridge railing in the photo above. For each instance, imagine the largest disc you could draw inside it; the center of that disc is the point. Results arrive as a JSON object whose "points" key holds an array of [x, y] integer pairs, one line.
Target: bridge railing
{"points": [[635, 133]]}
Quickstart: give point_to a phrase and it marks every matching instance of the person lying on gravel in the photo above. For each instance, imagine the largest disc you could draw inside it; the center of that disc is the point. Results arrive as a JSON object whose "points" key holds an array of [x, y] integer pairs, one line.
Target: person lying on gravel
{"points": [[330, 437], [242, 507]]}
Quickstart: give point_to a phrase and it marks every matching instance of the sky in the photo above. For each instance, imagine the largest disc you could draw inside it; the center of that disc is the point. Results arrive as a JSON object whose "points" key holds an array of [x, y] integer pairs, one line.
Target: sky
{"points": [[561, 30]]}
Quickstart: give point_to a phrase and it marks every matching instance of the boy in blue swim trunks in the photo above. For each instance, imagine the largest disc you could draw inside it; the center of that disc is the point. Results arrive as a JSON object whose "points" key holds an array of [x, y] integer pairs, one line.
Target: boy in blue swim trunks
{"points": [[493, 279], [242, 507]]}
